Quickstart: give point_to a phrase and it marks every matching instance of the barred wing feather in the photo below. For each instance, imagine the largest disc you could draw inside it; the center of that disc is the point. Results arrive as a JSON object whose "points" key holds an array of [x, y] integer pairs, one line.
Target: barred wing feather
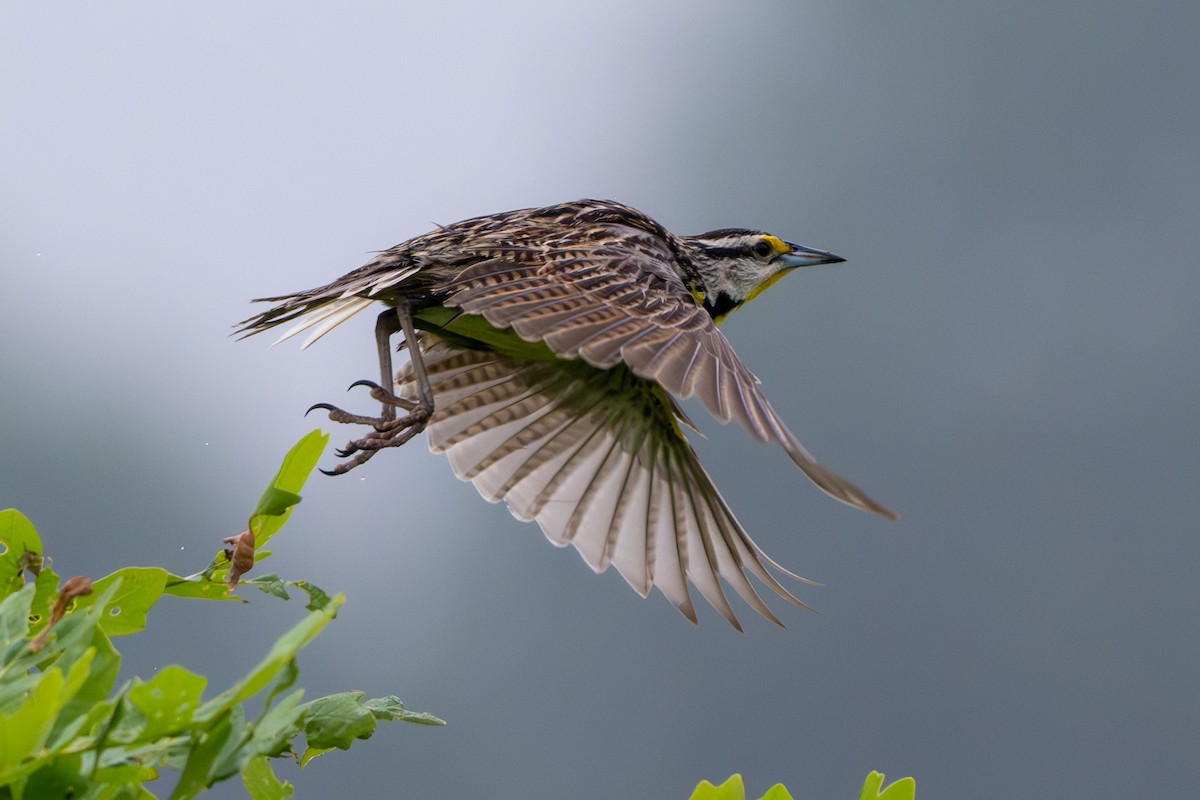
{"points": [[614, 305], [597, 459]]}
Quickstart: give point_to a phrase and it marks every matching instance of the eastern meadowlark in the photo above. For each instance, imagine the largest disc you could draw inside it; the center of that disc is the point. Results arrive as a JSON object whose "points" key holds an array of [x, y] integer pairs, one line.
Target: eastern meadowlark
{"points": [[547, 348]]}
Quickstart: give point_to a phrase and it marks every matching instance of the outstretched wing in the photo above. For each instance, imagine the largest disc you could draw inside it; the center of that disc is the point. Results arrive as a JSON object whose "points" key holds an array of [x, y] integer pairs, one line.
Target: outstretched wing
{"points": [[597, 459], [618, 302]]}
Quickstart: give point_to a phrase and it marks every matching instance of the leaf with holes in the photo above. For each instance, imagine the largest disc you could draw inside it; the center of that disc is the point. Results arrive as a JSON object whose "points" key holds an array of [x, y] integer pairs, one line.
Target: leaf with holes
{"points": [[198, 587], [317, 598], [125, 613], [43, 599], [271, 584], [167, 701], [17, 537]]}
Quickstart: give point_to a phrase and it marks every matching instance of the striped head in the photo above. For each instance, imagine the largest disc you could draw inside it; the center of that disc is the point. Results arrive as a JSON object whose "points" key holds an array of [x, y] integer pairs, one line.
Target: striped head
{"points": [[732, 266]]}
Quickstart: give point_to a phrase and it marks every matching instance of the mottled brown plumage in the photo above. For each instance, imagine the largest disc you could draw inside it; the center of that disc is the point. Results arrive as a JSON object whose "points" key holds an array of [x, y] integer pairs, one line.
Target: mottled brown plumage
{"points": [[551, 345]]}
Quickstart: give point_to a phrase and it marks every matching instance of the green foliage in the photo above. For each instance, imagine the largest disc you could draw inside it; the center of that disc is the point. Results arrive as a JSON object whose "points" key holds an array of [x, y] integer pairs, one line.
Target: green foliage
{"points": [[67, 730], [734, 789], [903, 789]]}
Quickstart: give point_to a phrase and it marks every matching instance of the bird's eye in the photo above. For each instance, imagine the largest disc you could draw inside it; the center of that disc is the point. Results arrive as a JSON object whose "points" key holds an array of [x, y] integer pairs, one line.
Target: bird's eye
{"points": [[763, 249]]}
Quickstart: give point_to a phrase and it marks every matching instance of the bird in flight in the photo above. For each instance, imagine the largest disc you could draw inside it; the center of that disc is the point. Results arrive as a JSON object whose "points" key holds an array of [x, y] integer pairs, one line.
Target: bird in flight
{"points": [[548, 349]]}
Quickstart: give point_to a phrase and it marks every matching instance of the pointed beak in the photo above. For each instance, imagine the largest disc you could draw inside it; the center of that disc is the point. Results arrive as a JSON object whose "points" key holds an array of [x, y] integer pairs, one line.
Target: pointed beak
{"points": [[801, 256]]}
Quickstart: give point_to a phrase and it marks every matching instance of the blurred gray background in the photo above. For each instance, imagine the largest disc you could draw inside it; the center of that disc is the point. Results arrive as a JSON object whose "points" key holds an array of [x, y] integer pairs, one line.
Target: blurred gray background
{"points": [[1009, 359]]}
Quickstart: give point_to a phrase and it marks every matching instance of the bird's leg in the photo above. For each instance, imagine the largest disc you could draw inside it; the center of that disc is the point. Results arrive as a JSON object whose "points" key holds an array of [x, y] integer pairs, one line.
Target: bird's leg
{"points": [[389, 431], [424, 405], [385, 325]]}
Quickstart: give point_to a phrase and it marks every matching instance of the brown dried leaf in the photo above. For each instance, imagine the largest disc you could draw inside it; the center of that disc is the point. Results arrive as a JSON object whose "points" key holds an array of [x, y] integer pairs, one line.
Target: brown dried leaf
{"points": [[241, 556]]}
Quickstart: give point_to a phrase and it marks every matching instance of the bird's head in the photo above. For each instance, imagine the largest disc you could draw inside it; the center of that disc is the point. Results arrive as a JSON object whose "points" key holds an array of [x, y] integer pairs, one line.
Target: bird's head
{"points": [[735, 265]]}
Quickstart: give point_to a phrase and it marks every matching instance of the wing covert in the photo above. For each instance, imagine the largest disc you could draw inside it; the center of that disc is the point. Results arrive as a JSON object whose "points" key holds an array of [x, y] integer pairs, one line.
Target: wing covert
{"points": [[616, 303]]}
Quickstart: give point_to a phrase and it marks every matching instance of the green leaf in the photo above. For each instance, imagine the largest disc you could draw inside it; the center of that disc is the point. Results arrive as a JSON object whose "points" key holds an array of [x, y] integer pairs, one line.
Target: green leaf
{"points": [[317, 599], [272, 585], [17, 537], [102, 672], [275, 505], [776, 792], [206, 747], [732, 789], [299, 462], [234, 753], [78, 673], [69, 641], [285, 680], [14, 622], [275, 502], [125, 613], [903, 789], [16, 687], [197, 587], [121, 783], [261, 783], [391, 709], [167, 701], [62, 734], [45, 593], [76, 644], [274, 731], [311, 753], [337, 720], [60, 777], [26, 728]]}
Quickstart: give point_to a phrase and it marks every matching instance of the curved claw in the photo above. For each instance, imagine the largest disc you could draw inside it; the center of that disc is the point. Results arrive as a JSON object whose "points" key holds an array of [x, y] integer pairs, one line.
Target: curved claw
{"points": [[364, 382], [360, 459], [322, 406]]}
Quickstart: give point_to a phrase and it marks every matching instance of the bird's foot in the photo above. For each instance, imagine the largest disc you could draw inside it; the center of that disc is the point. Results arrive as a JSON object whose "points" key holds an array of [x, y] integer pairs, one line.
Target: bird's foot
{"points": [[389, 431]]}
